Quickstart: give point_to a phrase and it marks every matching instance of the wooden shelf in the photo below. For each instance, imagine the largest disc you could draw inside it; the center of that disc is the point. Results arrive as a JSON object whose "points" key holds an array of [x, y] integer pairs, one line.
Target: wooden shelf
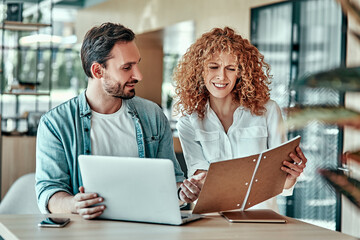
{"points": [[14, 118], [20, 26], [28, 93]]}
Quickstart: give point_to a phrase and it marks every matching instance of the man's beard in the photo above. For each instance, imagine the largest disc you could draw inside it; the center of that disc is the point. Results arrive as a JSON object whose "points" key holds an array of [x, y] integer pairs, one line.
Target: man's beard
{"points": [[118, 90]]}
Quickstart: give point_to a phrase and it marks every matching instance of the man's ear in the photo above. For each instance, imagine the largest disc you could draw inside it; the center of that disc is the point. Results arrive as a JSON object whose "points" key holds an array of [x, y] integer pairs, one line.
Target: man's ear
{"points": [[97, 70]]}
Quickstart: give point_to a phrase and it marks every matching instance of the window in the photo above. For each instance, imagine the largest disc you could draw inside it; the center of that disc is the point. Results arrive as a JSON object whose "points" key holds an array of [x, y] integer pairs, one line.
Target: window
{"points": [[177, 39], [297, 38]]}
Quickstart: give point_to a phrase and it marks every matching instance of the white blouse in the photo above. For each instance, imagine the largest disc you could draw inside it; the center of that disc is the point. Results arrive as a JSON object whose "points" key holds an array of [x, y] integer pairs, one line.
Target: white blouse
{"points": [[205, 141]]}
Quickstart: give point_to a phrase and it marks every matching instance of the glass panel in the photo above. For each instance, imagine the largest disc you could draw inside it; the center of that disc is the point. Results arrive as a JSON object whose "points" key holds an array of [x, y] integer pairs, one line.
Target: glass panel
{"points": [[41, 48], [296, 38], [68, 77], [319, 49], [177, 39], [271, 34]]}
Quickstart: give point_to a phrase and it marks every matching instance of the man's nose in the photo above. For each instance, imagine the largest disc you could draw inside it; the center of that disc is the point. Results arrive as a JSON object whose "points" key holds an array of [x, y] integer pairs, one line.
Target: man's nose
{"points": [[137, 73]]}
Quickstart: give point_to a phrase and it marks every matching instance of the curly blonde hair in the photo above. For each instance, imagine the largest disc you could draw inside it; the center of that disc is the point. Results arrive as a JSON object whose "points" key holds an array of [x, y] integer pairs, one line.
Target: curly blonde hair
{"points": [[251, 91]]}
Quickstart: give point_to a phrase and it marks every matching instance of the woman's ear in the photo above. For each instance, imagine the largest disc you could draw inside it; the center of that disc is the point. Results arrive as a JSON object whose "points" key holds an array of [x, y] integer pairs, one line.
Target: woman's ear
{"points": [[97, 70]]}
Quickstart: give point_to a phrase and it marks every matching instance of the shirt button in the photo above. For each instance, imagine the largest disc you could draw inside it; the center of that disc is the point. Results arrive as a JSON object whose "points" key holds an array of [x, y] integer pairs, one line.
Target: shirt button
{"points": [[87, 151], [86, 129]]}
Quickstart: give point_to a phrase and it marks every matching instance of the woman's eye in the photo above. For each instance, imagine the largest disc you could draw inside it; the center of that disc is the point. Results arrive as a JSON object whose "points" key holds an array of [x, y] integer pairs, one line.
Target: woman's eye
{"points": [[232, 69], [213, 67]]}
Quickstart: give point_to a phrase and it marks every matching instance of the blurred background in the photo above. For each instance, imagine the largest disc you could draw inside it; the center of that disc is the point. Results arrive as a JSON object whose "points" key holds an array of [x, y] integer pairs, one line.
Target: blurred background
{"points": [[40, 68]]}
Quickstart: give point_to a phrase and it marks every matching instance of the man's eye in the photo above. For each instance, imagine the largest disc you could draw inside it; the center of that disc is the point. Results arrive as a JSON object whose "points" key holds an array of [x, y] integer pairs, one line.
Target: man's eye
{"points": [[127, 68]]}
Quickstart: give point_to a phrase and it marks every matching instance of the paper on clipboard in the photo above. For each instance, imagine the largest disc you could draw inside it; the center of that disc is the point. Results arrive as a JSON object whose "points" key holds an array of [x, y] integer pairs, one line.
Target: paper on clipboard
{"points": [[244, 182]]}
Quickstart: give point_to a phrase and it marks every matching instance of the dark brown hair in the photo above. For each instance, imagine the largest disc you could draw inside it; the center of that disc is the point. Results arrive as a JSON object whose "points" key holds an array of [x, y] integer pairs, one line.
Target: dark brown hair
{"points": [[99, 41]]}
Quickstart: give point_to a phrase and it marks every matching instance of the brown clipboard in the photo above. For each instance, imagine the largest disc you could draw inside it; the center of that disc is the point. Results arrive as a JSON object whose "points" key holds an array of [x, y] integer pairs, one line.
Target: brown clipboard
{"points": [[244, 182], [254, 216]]}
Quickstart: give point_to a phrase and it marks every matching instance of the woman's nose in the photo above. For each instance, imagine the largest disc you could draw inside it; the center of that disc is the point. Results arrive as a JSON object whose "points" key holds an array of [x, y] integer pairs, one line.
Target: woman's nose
{"points": [[220, 74]]}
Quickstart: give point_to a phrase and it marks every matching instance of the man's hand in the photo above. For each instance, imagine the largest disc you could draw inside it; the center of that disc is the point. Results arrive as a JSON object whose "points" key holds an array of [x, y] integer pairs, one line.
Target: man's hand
{"points": [[83, 204], [190, 188]]}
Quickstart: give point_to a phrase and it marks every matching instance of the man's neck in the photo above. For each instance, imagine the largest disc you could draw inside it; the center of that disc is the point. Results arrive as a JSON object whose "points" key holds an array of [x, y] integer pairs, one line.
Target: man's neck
{"points": [[99, 101]]}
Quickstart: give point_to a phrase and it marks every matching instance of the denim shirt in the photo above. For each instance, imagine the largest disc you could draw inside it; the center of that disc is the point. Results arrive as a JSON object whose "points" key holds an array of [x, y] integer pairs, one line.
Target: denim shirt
{"points": [[64, 134]]}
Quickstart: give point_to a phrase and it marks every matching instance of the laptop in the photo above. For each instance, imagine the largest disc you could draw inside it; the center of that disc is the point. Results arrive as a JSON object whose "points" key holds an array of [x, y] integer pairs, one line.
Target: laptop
{"points": [[134, 189]]}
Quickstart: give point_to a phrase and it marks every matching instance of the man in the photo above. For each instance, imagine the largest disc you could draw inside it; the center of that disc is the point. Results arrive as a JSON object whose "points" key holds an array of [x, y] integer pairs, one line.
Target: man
{"points": [[105, 119]]}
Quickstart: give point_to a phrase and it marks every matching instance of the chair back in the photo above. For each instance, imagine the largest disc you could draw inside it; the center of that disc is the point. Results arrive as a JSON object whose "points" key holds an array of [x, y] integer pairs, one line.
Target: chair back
{"points": [[21, 197]]}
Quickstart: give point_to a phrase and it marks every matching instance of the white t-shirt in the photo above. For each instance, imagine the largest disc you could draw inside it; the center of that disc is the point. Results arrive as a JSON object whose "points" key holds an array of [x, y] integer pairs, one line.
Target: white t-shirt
{"points": [[113, 134], [205, 141]]}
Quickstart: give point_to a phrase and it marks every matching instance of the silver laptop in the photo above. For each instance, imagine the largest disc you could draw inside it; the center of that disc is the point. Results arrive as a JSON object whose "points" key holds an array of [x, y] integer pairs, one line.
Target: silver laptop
{"points": [[134, 189]]}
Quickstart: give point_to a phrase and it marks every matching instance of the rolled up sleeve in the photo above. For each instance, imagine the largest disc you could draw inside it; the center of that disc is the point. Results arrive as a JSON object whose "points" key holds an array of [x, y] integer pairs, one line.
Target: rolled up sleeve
{"points": [[52, 171]]}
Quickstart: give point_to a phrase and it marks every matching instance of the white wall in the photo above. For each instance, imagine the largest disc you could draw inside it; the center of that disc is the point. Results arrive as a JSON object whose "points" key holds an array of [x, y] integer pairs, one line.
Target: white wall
{"points": [[144, 16], [148, 15]]}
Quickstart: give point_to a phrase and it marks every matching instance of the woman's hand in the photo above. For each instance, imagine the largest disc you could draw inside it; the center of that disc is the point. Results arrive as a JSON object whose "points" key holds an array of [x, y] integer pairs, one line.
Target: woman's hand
{"points": [[295, 168], [191, 188]]}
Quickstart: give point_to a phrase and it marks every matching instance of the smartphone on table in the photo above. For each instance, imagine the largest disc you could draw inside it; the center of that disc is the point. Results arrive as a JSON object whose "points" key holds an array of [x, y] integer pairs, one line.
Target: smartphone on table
{"points": [[54, 222]]}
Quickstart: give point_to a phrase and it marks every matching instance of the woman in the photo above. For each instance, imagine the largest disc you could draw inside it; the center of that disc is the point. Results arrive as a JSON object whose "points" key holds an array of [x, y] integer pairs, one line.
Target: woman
{"points": [[222, 87]]}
